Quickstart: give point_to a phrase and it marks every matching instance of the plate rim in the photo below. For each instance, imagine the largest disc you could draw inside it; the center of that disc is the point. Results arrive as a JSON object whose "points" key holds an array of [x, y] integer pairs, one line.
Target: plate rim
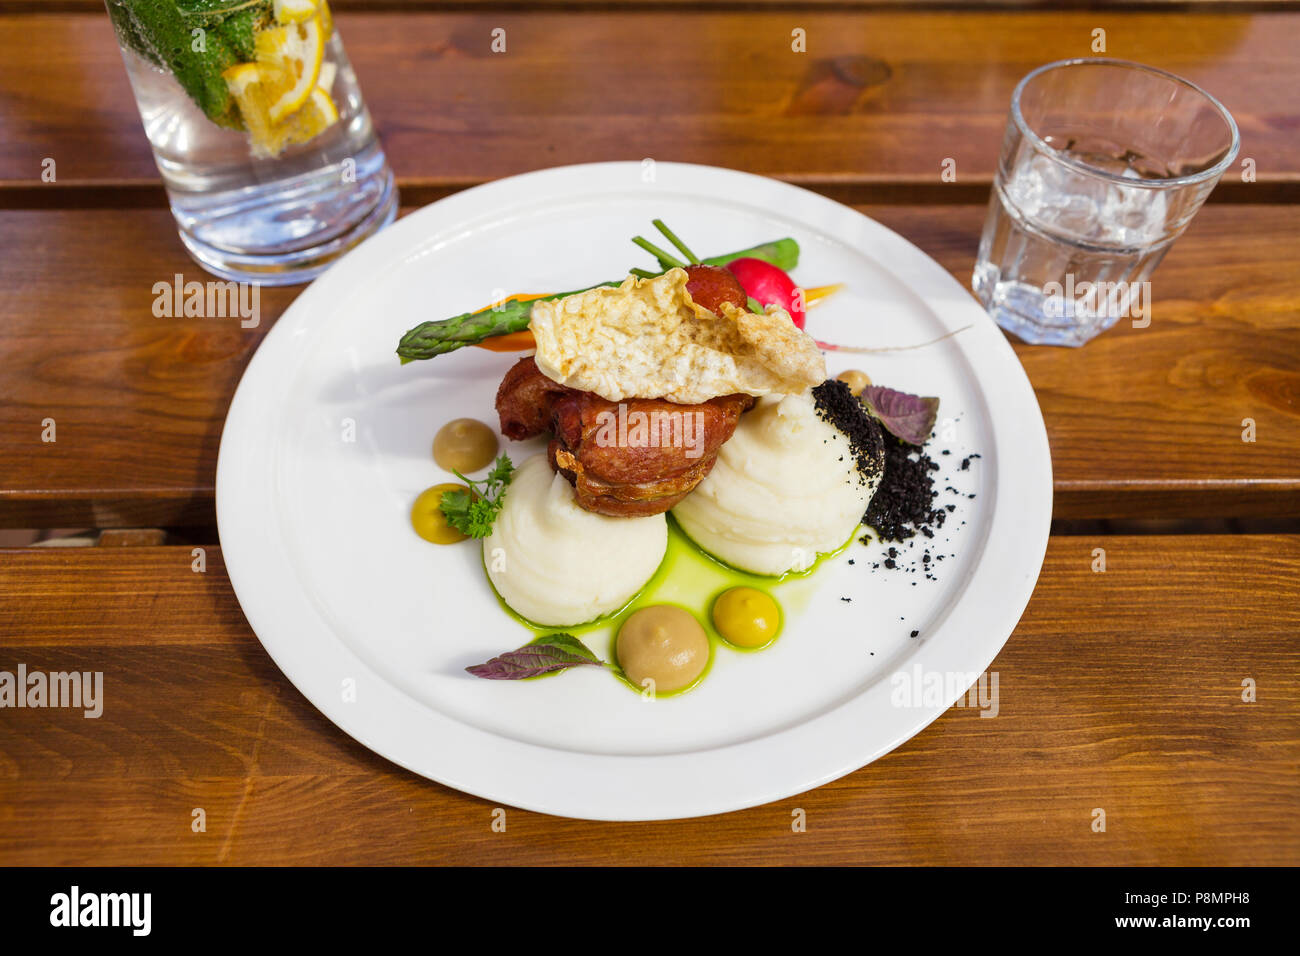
{"points": [[623, 787]]}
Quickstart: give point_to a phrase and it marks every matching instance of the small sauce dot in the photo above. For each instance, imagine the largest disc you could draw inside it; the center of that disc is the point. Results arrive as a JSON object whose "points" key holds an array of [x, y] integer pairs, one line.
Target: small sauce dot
{"points": [[464, 445], [747, 617], [427, 518], [855, 379]]}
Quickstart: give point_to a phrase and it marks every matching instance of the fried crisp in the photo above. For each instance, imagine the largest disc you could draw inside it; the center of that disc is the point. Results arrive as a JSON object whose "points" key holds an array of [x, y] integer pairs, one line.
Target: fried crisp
{"points": [[648, 339]]}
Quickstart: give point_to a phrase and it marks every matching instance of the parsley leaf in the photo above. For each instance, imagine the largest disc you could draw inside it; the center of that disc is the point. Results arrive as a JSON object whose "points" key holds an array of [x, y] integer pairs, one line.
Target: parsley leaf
{"points": [[473, 512]]}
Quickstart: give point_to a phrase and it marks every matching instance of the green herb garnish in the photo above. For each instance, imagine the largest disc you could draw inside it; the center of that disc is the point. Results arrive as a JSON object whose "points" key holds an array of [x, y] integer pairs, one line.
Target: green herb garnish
{"points": [[474, 511]]}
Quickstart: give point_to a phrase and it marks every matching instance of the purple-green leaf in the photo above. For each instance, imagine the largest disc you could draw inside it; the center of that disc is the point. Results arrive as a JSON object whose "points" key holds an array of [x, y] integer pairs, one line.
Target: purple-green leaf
{"points": [[909, 417], [545, 655]]}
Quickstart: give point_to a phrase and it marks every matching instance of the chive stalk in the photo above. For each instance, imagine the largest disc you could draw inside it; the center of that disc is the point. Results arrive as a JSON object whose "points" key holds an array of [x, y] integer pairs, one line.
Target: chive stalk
{"points": [[691, 257], [666, 260]]}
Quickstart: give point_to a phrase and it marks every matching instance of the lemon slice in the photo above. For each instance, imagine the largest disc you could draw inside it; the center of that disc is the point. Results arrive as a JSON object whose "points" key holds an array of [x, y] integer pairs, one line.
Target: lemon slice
{"points": [[322, 104], [313, 118], [296, 50], [254, 89], [327, 72], [295, 11]]}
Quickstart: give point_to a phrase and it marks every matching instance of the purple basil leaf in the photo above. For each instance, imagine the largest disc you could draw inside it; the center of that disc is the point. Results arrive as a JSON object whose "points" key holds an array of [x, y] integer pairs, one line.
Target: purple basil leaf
{"points": [[553, 652], [909, 417]]}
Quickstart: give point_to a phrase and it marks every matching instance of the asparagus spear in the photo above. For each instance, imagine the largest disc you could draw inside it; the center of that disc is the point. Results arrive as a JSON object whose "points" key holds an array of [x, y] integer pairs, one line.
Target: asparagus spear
{"points": [[446, 335], [782, 253]]}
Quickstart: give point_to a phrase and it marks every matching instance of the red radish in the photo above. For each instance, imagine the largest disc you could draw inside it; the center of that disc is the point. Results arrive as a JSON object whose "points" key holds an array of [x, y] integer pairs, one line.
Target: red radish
{"points": [[768, 285]]}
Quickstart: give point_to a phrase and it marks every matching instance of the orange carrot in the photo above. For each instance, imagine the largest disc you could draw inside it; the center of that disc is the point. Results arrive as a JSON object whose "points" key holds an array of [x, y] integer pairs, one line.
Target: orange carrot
{"points": [[510, 342], [523, 297]]}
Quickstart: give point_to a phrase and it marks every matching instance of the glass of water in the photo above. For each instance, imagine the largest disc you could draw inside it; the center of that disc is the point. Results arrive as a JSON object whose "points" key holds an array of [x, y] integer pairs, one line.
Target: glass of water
{"points": [[270, 160], [1103, 165]]}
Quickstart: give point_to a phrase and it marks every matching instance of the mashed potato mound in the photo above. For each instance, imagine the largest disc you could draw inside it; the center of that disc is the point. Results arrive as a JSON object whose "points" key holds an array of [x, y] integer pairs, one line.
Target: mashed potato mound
{"points": [[785, 488], [648, 339], [558, 565]]}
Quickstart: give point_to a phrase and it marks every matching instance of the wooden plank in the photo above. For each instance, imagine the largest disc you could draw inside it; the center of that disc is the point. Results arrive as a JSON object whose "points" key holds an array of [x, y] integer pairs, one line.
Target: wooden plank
{"points": [[878, 103], [1142, 422], [1149, 422], [125, 598], [1120, 690]]}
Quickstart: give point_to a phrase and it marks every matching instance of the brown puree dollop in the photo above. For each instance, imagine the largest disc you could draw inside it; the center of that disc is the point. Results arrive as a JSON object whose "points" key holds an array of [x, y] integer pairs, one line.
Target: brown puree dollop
{"points": [[664, 644], [464, 445]]}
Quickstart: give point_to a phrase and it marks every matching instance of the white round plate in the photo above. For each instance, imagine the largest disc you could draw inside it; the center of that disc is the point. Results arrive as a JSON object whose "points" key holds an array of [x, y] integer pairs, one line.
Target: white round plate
{"points": [[328, 440]]}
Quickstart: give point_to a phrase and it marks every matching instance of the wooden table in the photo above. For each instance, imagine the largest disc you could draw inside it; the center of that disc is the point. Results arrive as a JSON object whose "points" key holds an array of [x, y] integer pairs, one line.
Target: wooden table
{"points": [[1121, 690]]}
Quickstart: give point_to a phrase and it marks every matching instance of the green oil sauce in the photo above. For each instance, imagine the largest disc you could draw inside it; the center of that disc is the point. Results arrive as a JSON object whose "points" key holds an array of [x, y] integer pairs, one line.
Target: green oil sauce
{"points": [[691, 579]]}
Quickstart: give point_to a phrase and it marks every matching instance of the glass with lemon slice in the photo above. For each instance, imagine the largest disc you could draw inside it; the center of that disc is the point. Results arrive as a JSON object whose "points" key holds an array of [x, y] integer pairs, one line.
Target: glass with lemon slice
{"points": [[258, 127]]}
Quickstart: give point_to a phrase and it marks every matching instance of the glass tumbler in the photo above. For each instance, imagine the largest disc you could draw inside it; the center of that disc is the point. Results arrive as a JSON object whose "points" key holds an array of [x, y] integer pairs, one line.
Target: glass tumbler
{"points": [[1103, 164], [257, 124]]}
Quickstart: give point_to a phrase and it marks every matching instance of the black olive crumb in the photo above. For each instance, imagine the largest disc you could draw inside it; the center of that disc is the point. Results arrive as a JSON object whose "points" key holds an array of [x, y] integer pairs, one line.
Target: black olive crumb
{"points": [[837, 406], [902, 505]]}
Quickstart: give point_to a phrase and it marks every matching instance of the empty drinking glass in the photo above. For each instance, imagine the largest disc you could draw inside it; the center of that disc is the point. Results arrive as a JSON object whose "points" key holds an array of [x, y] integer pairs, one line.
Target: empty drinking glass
{"points": [[1103, 165]]}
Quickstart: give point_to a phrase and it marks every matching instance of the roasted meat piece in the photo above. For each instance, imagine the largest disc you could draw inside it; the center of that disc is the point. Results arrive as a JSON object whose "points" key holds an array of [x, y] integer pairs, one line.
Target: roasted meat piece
{"points": [[636, 457], [526, 400], [640, 456]]}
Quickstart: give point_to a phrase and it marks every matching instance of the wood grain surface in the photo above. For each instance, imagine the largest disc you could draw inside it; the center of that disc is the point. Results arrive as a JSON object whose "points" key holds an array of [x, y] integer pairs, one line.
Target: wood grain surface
{"points": [[1142, 422], [1120, 690], [872, 110]]}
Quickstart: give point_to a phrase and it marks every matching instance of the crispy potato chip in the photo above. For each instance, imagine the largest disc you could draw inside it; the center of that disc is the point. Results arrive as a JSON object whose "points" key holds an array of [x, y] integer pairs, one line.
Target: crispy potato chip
{"points": [[648, 339]]}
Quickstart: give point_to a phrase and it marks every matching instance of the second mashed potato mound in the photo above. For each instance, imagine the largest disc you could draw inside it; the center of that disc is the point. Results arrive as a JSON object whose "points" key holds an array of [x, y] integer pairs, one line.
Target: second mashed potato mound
{"points": [[785, 489], [558, 565]]}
